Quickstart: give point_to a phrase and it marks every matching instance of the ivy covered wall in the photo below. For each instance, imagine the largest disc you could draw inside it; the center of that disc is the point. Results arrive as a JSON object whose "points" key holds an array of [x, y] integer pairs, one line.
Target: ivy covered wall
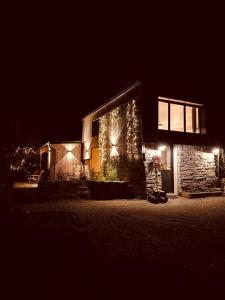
{"points": [[120, 143], [120, 132]]}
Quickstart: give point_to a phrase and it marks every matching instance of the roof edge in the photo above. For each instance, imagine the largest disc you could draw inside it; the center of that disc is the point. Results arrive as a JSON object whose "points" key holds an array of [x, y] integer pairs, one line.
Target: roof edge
{"points": [[114, 98]]}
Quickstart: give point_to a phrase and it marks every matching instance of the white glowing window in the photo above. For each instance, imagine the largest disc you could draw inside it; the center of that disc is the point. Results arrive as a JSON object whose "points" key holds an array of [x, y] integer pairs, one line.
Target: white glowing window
{"points": [[197, 120], [182, 117], [163, 115], [192, 119], [176, 117]]}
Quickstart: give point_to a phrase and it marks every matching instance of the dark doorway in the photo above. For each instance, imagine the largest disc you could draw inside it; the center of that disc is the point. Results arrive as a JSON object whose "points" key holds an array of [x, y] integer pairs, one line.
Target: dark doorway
{"points": [[167, 169], [44, 161]]}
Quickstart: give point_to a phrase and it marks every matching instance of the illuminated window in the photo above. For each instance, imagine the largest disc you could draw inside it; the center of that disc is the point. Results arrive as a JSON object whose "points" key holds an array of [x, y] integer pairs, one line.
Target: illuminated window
{"points": [[176, 117], [163, 115], [192, 119]]}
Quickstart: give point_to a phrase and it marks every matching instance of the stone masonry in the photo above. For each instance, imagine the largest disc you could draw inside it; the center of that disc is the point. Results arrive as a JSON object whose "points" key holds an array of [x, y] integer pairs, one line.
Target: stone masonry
{"points": [[195, 168], [153, 176]]}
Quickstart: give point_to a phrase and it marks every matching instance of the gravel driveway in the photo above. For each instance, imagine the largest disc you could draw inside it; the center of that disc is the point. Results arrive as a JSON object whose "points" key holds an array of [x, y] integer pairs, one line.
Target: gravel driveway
{"points": [[179, 245]]}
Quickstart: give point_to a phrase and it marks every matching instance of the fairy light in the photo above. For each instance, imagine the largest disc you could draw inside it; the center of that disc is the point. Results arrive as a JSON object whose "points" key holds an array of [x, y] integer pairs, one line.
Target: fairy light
{"points": [[132, 130], [103, 129]]}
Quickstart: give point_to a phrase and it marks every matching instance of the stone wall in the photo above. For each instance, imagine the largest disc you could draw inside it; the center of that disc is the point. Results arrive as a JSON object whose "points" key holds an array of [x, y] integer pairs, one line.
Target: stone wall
{"points": [[195, 168], [153, 175]]}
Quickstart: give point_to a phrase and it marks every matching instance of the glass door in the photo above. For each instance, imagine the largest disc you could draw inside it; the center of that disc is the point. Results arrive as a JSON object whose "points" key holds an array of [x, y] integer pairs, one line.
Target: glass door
{"points": [[167, 169]]}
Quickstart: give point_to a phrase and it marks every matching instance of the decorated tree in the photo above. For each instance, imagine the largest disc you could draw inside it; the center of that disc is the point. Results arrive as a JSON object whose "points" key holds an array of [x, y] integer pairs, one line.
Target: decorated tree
{"points": [[15, 165]]}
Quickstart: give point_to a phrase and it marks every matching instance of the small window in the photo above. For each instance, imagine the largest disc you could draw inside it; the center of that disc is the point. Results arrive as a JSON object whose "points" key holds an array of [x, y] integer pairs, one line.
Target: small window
{"points": [[176, 117], [95, 128], [163, 122]]}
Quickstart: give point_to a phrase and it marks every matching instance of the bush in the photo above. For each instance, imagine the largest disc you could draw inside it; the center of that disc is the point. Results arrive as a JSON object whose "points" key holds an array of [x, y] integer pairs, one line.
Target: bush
{"points": [[122, 169]]}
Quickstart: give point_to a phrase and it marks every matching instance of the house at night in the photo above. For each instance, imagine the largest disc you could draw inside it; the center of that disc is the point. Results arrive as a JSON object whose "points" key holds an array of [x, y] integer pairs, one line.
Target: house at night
{"points": [[153, 141], [62, 159]]}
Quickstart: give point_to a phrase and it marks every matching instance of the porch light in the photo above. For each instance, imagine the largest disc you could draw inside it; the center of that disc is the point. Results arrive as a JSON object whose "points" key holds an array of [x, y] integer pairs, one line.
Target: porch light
{"points": [[162, 148], [216, 151]]}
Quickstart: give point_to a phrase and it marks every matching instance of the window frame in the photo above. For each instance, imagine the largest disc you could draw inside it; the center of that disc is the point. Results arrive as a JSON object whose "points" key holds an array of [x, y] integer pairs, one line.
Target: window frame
{"points": [[184, 104]]}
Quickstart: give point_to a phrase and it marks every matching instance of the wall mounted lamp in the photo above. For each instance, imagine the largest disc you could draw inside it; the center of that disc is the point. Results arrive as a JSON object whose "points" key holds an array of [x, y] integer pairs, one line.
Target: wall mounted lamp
{"points": [[162, 148], [216, 151]]}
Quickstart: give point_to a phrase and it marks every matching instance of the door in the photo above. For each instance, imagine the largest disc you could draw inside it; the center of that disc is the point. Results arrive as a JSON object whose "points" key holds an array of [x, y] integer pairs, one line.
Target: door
{"points": [[95, 160], [167, 169]]}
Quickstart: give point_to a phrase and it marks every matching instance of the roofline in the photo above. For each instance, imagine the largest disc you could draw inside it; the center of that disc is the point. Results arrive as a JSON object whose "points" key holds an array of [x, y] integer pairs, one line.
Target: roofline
{"points": [[66, 142], [60, 142], [113, 99], [179, 101]]}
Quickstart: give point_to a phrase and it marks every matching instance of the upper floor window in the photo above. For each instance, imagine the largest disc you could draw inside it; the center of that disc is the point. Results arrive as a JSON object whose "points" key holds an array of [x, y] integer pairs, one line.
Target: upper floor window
{"points": [[176, 115], [95, 128]]}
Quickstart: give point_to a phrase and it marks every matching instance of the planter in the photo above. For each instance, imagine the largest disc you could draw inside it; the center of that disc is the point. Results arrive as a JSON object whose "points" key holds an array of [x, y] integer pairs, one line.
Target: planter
{"points": [[106, 190]]}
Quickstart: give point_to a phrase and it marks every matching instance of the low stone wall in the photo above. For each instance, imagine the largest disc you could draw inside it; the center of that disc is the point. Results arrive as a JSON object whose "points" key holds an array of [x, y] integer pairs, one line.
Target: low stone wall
{"points": [[105, 190], [63, 189], [195, 169]]}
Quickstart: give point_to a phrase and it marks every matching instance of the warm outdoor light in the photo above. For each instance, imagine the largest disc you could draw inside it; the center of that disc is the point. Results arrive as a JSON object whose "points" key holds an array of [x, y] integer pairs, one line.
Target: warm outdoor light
{"points": [[114, 151], [162, 148], [69, 147], [216, 151]]}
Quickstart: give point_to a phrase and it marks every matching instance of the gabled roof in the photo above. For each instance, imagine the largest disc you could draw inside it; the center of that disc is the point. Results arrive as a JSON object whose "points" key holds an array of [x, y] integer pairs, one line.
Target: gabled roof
{"points": [[118, 99]]}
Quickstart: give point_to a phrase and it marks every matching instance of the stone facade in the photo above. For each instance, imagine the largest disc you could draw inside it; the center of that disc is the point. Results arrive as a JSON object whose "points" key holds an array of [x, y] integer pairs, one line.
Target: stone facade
{"points": [[120, 143], [153, 175], [195, 168]]}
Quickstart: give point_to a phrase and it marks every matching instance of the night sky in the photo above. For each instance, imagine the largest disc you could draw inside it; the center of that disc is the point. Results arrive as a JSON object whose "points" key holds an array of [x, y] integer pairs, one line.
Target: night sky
{"points": [[60, 63]]}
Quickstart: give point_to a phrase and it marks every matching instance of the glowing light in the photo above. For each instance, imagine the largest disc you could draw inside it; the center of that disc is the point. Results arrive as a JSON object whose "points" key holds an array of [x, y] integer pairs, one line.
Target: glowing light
{"points": [[69, 156], [209, 157], [87, 145], [114, 151], [69, 147], [115, 128], [162, 148], [154, 152], [216, 151]]}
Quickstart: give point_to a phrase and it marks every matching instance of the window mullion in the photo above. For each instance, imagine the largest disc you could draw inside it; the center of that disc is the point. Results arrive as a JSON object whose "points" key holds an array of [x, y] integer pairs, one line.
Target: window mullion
{"points": [[168, 116]]}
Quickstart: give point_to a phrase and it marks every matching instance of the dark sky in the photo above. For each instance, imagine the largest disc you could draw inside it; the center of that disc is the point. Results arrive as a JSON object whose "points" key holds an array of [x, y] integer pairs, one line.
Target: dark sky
{"points": [[61, 62]]}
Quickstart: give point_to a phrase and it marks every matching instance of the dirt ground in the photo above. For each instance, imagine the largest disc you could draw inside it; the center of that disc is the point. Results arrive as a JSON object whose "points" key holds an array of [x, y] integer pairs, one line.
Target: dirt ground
{"points": [[177, 247]]}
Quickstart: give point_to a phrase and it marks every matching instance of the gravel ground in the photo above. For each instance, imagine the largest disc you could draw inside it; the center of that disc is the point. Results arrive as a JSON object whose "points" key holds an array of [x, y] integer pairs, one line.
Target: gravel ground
{"points": [[179, 245]]}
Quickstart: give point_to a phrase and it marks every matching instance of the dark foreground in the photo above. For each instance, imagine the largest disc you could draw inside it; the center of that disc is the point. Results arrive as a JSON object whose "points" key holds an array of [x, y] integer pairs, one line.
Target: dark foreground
{"points": [[115, 249]]}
